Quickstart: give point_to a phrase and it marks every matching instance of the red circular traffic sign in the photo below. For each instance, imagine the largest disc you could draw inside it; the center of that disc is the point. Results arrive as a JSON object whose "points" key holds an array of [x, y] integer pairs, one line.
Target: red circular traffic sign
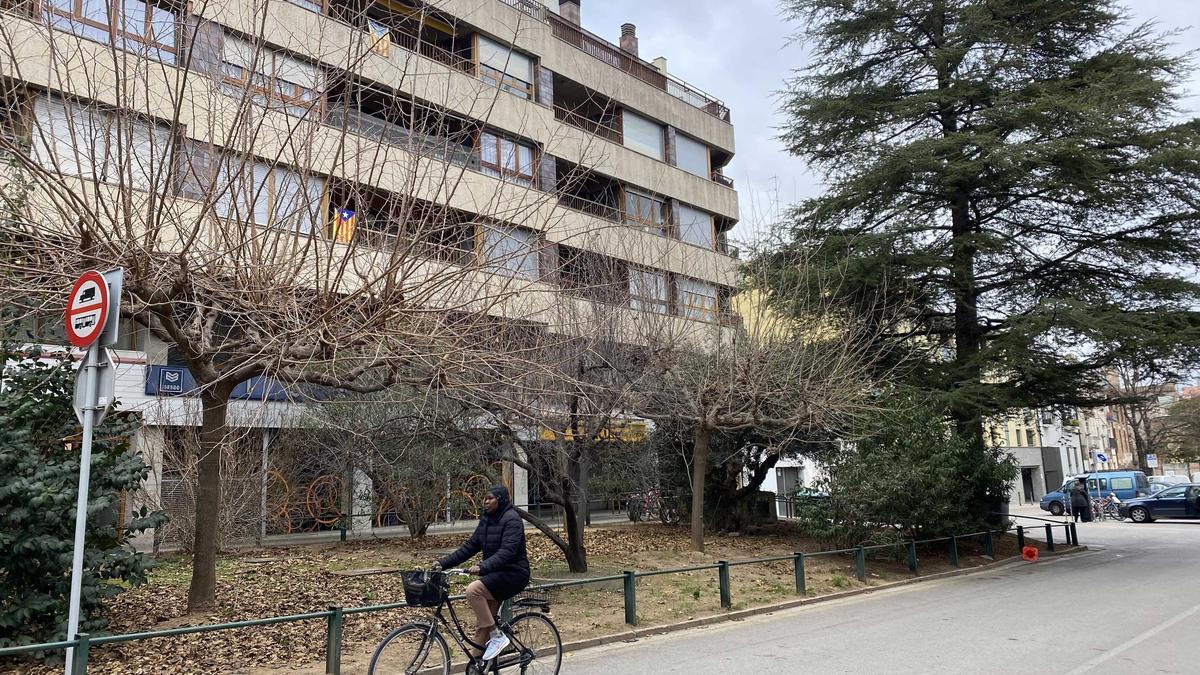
{"points": [[87, 309]]}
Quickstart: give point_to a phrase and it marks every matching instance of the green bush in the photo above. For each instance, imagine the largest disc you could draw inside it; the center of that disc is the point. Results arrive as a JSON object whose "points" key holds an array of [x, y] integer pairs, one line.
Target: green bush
{"points": [[39, 475], [910, 476]]}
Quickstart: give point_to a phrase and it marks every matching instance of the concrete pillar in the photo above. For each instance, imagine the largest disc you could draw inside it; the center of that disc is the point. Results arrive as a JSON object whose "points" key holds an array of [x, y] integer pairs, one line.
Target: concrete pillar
{"points": [[362, 496], [670, 153], [148, 442], [547, 173], [544, 91]]}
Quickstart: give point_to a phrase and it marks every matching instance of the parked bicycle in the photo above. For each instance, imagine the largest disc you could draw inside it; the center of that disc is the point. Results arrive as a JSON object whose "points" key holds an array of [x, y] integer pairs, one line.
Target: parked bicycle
{"points": [[1106, 507], [653, 505], [535, 647]]}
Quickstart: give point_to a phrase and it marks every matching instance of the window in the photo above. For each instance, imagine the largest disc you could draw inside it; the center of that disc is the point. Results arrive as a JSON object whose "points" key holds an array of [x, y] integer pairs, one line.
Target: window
{"points": [[692, 156], [1177, 491], [10, 114], [256, 192], [648, 290], [1030, 438], [144, 28], [696, 299], [317, 6], [505, 158], [643, 135], [1121, 483], [511, 250], [268, 76], [501, 66], [696, 227], [77, 139], [645, 211]]}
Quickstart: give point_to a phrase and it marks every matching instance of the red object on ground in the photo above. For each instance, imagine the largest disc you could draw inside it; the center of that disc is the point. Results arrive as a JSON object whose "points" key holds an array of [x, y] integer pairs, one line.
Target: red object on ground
{"points": [[1029, 553]]}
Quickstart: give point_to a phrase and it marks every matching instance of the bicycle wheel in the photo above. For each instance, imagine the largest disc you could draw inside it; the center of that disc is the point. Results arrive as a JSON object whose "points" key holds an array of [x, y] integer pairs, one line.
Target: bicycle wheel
{"points": [[409, 650], [537, 644]]}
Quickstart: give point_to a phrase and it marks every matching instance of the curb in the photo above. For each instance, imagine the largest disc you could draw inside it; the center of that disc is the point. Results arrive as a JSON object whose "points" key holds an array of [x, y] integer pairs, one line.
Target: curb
{"points": [[638, 633]]}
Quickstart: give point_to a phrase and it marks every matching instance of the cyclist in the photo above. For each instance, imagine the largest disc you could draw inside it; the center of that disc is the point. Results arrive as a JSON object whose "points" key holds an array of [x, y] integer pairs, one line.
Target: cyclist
{"points": [[504, 572]]}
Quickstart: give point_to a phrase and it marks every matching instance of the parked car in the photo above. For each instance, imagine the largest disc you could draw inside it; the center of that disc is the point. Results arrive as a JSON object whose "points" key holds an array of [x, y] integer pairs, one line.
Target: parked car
{"points": [[1126, 484], [1177, 501], [1171, 480]]}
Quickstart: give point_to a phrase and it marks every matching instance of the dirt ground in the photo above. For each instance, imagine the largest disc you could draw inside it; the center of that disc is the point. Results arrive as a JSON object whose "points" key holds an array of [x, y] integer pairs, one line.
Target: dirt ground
{"points": [[300, 579]]}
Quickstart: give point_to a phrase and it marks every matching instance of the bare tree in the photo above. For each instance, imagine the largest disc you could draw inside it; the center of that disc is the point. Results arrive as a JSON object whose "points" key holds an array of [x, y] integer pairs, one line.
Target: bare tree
{"points": [[787, 382], [303, 207]]}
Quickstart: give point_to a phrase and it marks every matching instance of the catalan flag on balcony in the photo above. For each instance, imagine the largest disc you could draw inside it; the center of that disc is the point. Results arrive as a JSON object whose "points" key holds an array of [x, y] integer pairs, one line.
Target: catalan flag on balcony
{"points": [[381, 39], [343, 226]]}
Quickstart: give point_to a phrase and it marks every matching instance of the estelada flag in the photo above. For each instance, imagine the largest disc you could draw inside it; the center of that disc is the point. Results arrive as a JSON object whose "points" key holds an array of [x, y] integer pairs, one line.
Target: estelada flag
{"points": [[343, 226]]}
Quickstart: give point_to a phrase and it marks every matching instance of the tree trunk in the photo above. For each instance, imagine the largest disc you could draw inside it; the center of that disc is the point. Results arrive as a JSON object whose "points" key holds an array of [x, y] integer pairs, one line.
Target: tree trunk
{"points": [[202, 592], [576, 558], [573, 516], [700, 437]]}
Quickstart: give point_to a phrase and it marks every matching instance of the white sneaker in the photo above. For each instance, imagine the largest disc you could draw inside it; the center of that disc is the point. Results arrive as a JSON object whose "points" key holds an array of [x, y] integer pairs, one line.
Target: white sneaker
{"points": [[495, 645]]}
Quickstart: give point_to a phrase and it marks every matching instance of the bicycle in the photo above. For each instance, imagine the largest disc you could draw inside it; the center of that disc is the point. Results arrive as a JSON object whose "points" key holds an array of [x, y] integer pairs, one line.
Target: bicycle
{"points": [[535, 645], [653, 505], [1105, 508]]}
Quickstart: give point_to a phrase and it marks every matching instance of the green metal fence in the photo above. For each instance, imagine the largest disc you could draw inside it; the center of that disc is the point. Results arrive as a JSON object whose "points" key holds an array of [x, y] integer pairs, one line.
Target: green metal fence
{"points": [[334, 617]]}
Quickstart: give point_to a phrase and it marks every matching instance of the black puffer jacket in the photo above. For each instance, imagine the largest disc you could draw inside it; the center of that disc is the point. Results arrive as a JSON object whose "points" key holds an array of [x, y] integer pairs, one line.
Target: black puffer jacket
{"points": [[501, 537]]}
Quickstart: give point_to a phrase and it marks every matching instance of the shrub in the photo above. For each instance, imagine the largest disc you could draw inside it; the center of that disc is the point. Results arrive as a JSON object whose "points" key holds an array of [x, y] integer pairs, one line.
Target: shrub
{"points": [[910, 476], [39, 475]]}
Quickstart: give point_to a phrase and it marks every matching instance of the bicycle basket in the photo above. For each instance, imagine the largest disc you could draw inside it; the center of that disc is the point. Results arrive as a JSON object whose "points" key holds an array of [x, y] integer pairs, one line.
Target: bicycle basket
{"points": [[424, 589], [538, 596]]}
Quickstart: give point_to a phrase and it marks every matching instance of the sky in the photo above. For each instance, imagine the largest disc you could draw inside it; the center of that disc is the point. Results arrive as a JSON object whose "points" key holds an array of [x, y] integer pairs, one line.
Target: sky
{"points": [[741, 53]]}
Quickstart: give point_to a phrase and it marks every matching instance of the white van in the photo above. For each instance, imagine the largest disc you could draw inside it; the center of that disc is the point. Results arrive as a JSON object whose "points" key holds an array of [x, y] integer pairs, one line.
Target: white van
{"points": [[1169, 480]]}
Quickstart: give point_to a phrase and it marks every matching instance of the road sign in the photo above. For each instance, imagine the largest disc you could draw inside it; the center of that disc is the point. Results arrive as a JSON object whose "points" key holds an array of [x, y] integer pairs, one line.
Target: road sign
{"points": [[106, 374], [1101, 457], [1152, 461], [87, 309], [116, 281]]}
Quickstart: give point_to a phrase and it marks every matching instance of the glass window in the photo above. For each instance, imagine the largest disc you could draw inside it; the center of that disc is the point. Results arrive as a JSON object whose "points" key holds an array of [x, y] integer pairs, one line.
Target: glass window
{"points": [[645, 211], [692, 156], [1177, 491], [503, 67], [696, 226], [506, 158], [77, 139], [259, 193], [511, 250], [269, 76], [643, 135], [132, 25], [696, 299], [648, 290], [1121, 483]]}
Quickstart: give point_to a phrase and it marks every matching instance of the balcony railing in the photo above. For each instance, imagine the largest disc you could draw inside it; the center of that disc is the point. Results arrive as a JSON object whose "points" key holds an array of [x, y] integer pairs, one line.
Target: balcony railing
{"points": [[605, 211], [721, 178], [618, 58], [589, 125], [605, 51], [531, 7], [431, 51]]}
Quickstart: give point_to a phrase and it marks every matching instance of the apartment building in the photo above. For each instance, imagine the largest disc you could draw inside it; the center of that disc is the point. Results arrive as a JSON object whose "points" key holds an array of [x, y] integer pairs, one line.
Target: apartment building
{"points": [[554, 160]]}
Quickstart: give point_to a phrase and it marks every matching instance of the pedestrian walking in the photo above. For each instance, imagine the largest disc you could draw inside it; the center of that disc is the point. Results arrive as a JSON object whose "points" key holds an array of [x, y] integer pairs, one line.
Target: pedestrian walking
{"points": [[1081, 501]]}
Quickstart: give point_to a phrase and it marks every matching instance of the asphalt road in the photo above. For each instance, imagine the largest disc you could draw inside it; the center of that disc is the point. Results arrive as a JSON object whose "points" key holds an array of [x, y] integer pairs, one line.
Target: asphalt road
{"points": [[1132, 605]]}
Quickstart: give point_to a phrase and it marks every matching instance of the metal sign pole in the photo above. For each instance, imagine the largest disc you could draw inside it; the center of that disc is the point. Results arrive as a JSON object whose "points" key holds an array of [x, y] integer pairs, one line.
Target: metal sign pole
{"points": [[91, 364]]}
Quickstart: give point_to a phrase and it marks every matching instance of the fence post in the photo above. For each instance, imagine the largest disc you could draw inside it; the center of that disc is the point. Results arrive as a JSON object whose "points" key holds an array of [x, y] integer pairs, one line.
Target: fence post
{"points": [[1067, 533], [723, 581], [79, 658], [952, 549], [860, 564], [1020, 537], [912, 556], [1049, 537], [630, 598], [989, 545], [1074, 535], [798, 560], [333, 642]]}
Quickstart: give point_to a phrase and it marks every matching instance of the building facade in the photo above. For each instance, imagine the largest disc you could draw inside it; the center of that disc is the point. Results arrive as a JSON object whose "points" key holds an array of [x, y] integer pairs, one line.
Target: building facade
{"points": [[569, 154]]}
